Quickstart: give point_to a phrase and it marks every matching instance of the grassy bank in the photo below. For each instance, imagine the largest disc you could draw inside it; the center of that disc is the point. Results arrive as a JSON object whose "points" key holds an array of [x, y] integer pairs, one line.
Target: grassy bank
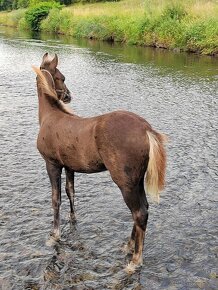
{"points": [[187, 25]]}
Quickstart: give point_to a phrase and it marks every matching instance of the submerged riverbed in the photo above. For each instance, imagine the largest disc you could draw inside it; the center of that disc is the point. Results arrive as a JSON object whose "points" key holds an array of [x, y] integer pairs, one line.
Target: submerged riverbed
{"points": [[177, 94]]}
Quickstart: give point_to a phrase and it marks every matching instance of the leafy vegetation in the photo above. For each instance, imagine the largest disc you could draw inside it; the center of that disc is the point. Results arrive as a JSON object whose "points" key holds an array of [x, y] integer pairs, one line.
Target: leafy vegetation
{"points": [[15, 4], [36, 13], [187, 25]]}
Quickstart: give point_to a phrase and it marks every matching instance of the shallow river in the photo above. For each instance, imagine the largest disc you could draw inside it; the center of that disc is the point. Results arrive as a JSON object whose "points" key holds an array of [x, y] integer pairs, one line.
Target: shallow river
{"points": [[177, 94]]}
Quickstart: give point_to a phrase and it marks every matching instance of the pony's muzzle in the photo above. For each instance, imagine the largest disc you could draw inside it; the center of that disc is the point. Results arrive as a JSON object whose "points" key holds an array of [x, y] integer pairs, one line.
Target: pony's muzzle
{"points": [[67, 97]]}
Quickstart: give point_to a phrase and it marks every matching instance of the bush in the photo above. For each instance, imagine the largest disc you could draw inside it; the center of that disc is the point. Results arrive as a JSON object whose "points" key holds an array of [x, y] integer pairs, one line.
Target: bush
{"points": [[35, 14], [6, 4], [58, 22], [23, 25], [64, 2], [95, 1]]}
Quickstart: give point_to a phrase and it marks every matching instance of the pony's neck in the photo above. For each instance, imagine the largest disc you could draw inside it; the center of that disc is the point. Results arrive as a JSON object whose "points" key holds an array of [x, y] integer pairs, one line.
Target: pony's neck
{"points": [[48, 104], [44, 105], [48, 99]]}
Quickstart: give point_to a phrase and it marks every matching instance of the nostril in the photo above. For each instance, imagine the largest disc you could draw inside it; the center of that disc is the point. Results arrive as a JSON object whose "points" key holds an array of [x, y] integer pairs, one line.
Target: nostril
{"points": [[67, 98]]}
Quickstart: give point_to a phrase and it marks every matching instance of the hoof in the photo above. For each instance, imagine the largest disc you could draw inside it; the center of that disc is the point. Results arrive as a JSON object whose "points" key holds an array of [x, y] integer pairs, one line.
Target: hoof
{"points": [[131, 268], [56, 235], [51, 241], [72, 218]]}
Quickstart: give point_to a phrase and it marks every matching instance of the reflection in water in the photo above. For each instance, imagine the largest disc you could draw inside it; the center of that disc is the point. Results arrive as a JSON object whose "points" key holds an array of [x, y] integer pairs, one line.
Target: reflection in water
{"points": [[188, 63], [176, 93]]}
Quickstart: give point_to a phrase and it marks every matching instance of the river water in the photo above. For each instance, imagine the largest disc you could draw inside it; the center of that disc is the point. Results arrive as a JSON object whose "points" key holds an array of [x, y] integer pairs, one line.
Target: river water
{"points": [[177, 94]]}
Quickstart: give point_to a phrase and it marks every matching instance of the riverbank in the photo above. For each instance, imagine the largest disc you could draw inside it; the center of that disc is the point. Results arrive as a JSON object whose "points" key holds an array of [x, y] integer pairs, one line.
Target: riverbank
{"points": [[190, 26]]}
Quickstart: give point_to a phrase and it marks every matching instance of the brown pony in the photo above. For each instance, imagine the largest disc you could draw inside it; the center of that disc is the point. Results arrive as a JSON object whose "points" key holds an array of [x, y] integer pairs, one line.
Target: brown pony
{"points": [[121, 142]]}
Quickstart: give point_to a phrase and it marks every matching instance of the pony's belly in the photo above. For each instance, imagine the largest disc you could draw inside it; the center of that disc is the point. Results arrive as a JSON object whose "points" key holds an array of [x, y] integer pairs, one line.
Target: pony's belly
{"points": [[90, 170], [82, 163], [92, 167]]}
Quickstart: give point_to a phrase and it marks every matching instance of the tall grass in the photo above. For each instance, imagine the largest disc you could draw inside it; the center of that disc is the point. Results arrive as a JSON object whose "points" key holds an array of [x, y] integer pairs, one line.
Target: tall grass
{"points": [[188, 25], [12, 18]]}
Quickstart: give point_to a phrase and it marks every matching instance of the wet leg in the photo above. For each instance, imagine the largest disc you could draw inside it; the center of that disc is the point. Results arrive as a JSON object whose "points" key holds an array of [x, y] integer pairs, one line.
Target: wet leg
{"points": [[136, 201], [129, 248], [131, 243], [140, 217], [131, 184], [70, 191], [54, 173]]}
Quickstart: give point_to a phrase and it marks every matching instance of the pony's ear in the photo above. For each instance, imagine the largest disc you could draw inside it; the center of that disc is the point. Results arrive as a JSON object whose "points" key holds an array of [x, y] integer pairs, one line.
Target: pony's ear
{"points": [[54, 62], [44, 59]]}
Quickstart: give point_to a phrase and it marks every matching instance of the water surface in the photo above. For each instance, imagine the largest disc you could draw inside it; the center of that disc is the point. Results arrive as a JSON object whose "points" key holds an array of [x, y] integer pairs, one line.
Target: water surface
{"points": [[177, 94]]}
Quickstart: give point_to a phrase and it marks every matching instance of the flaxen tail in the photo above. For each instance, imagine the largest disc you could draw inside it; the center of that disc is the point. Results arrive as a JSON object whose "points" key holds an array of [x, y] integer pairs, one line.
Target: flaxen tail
{"points": [[155, 175]]}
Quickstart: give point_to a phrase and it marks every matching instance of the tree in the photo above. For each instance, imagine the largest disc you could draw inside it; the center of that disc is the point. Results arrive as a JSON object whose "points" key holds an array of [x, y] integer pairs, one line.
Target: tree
{"points": [[6, 4]]}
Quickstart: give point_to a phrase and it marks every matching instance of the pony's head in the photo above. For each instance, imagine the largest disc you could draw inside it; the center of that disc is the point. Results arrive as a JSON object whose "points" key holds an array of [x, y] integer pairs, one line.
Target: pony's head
{"points": [[49, 64], [46, 87]]}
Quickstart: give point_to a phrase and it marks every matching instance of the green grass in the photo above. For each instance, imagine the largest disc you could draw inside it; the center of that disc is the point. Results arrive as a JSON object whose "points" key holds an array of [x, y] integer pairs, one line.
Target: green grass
{"points": [[12, 18], [188, 25]]}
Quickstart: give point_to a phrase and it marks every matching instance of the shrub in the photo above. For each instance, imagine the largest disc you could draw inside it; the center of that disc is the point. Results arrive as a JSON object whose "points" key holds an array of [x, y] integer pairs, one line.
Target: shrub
{"points": [[6, 4], [35, 14], [23, 25], [64, 2], [35, 2], [95, 1], [58, 22]]}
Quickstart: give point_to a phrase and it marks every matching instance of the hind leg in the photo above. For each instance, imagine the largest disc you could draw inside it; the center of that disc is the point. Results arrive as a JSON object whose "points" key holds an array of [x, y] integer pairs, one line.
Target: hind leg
{"points": [[128, 171], [70, 191], [140, 217], [136, 201]]}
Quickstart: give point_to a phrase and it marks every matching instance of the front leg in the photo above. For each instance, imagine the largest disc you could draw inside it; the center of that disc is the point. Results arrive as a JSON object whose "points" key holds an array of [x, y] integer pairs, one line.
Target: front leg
{"points": [[54, 173], [70, 190]]}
